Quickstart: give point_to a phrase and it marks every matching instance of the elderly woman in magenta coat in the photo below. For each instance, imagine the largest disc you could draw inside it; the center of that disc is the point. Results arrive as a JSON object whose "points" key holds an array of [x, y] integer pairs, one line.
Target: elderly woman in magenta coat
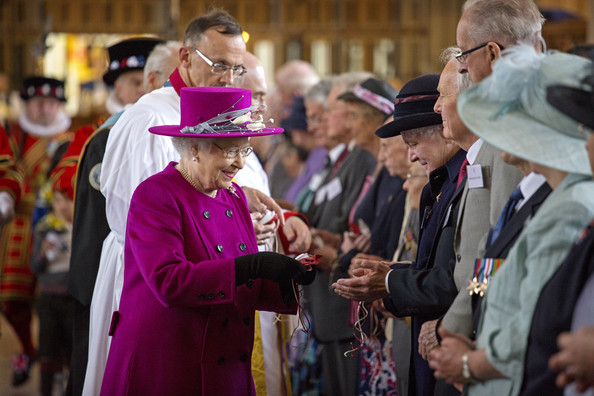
{"points": [[193, 275]]}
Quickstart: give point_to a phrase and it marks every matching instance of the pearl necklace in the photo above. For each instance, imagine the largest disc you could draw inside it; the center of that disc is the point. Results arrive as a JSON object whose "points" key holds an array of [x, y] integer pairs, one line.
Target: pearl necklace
{"points": [[191, 181]]}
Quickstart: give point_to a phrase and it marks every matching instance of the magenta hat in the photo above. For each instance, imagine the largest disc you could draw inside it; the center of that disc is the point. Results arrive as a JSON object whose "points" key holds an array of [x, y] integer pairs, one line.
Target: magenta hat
{"points": [[216, 112]]}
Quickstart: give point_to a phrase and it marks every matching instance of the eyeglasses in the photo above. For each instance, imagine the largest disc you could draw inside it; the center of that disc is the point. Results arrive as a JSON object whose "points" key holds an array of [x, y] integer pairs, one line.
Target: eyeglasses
{"points": [[219, 68], [232, 153], [461, 56]]}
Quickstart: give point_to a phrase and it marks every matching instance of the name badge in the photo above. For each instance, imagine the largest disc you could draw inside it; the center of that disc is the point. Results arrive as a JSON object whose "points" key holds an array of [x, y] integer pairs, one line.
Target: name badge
{"points": [[333, 189], [316, 181], [475, 176]]}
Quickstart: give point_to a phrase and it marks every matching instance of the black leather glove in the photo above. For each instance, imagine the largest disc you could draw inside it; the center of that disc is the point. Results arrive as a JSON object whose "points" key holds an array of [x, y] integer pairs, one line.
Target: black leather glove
{"points": [[272, 266]]}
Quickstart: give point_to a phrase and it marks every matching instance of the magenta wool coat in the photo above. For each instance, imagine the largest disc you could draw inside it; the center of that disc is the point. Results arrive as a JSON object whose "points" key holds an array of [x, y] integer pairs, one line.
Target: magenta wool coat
{"points": [[183, 328]]}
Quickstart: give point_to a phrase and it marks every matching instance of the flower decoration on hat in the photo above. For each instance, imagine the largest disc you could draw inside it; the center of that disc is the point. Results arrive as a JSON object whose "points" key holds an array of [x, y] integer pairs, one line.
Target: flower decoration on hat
{"points": [[231, 121]]}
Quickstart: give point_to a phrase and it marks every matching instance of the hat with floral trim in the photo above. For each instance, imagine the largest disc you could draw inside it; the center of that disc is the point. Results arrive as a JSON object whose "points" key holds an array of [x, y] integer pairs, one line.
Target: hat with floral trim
{"points": [[217, 112]]}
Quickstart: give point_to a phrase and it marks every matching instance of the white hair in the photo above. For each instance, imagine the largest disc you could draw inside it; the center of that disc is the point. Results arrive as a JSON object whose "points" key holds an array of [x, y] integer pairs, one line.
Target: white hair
{"points": [[507, 22], [347, 81], [463, 79], [184, 145], [319, 92], [160, 57], [422, 132], [296, 77]]}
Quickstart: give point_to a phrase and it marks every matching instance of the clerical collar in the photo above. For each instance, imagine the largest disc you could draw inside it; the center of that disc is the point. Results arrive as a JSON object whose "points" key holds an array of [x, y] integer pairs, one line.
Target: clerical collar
{"points": [[175, 81]]}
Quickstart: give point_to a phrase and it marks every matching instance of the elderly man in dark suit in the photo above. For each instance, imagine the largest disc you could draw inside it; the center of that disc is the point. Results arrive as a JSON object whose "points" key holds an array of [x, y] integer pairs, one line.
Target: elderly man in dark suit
{"points": [[425, 289], [489, 182]]}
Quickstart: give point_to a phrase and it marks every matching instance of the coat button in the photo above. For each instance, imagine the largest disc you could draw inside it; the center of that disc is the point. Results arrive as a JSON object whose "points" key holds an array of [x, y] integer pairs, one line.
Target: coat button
{"points": [[242, 247], [249, 283], [246, 320], [219, 248], [210, 295], [221, 360], [458, 257], [244, 357], [221, 294], [225, 322], [229, 213], [201, 296], [206, 214]]}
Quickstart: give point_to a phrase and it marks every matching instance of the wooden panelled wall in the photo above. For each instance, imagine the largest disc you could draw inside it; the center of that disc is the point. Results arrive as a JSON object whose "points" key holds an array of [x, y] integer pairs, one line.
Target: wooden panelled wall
{"points": [[419, 29]]}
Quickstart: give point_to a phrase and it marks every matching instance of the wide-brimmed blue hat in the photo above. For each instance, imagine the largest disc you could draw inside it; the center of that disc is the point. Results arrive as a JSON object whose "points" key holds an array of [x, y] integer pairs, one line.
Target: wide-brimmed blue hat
{"points": [[577, 103], [509, 109], [413, 107]]}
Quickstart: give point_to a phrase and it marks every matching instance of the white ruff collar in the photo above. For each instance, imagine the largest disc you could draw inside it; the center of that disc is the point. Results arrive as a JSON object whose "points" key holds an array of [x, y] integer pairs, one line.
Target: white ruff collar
{"points": [[112, 104], [60, 124]]}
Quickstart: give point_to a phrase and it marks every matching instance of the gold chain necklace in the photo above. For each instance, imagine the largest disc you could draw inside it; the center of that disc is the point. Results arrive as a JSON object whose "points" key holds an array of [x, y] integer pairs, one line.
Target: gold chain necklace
{"points": [[189, 179]]}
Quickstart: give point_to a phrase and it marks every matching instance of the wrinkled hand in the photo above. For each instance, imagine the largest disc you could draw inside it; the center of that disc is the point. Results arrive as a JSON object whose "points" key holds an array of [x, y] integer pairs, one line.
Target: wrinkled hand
{"points": [[327, 238], [348, 241], [358, 259], [6, 208], [428, 338], [263, 231], [575, 358], [381, 308], [327, 256], [447, 359], [367, 284], [298, 233], [258, 202], [363, 243]]}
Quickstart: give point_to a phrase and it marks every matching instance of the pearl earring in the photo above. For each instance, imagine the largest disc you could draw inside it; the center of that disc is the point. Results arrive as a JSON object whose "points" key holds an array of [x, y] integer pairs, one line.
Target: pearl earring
{"points": [[194, 159]]}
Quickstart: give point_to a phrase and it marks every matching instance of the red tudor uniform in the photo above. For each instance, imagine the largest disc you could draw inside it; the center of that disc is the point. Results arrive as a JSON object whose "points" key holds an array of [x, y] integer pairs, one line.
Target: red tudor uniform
{"points": [[11, 180], [40, 130], [64, 174]]}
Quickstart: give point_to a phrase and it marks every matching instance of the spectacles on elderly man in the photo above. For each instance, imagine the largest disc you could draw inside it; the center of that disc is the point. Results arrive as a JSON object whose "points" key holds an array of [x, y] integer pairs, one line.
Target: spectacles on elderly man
{"points": [[232, 152], [462, 55], [219, 68]]}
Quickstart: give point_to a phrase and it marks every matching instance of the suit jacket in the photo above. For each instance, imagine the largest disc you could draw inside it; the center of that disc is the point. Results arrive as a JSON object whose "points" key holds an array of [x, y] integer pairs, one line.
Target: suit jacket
{"points": [[180, 295], [332, 214], [426, 289], [329, 312], [479, 211], [554, 314], [508, 236]]}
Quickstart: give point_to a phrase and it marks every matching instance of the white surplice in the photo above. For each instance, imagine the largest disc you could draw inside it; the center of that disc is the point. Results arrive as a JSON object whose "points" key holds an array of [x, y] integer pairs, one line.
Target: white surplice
{"points": [[132, 155]]}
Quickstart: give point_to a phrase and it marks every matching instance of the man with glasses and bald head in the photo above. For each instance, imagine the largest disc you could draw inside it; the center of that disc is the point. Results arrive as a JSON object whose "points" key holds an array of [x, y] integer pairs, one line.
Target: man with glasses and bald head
{"points": [[487, 27]]}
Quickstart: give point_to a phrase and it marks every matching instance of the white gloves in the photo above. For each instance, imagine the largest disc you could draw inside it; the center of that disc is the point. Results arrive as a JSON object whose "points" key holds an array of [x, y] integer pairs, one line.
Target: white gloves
{"points": [[6, 208]]}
